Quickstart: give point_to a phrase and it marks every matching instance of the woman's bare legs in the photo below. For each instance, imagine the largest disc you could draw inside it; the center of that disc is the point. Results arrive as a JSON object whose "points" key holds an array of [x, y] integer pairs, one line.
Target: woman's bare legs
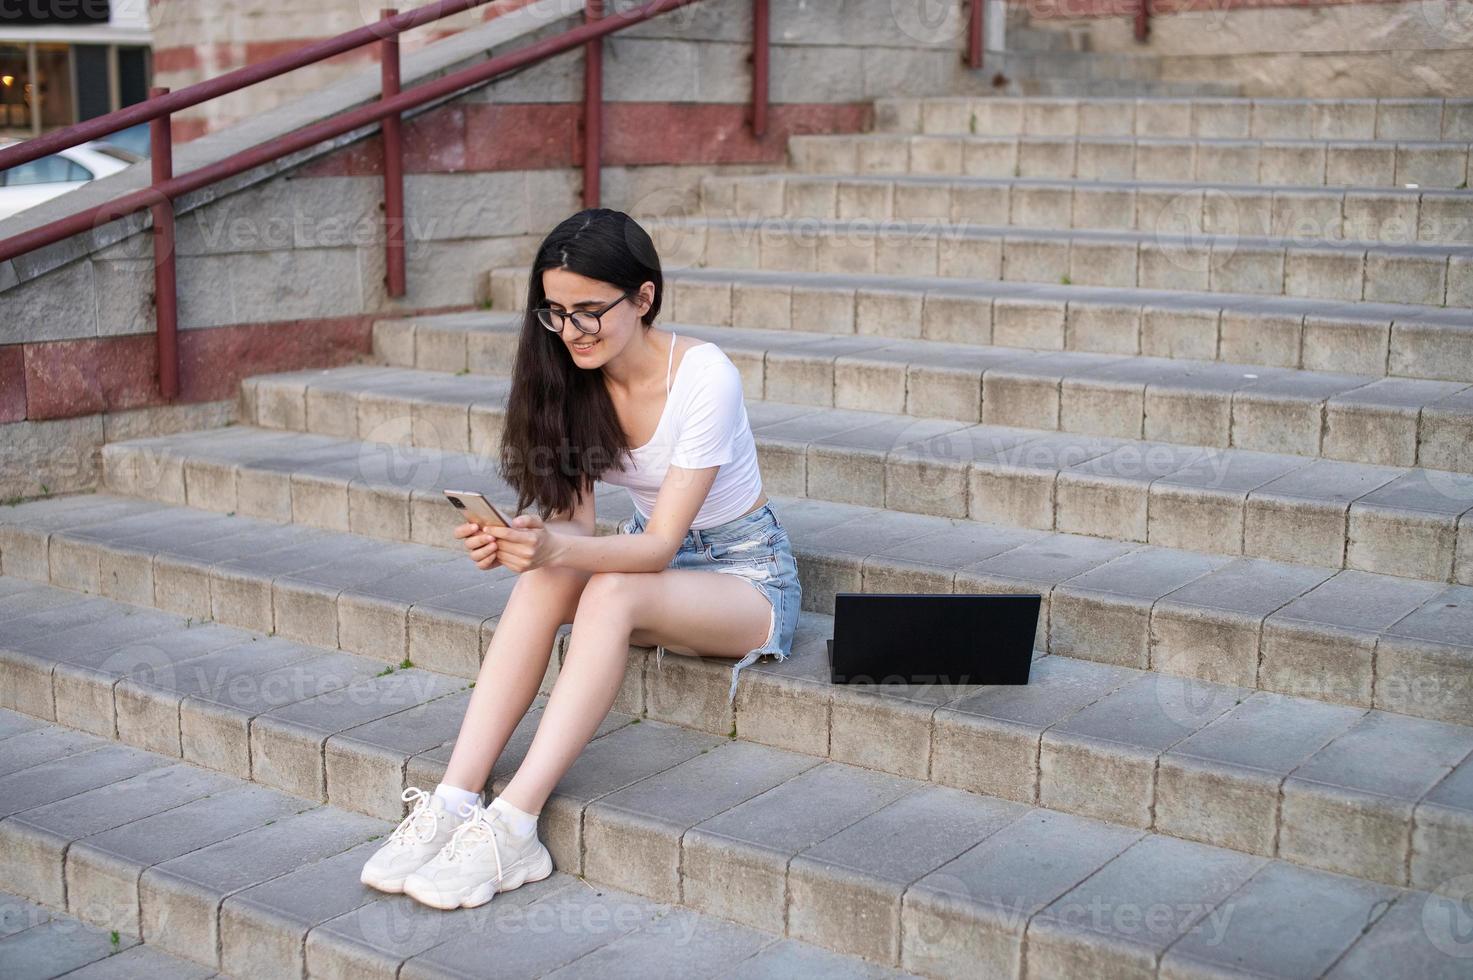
{"points": [[516, 661], [680, 609]]}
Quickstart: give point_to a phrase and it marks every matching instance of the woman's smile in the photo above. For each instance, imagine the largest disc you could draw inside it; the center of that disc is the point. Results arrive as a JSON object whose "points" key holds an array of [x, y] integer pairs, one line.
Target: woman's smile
{"points": [[583, 348]]}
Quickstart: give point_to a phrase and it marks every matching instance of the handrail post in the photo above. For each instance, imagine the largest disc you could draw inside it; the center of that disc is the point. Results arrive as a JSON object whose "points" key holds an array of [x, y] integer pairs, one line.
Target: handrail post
{"points": [[165, 288], [593, 103], [759, 67], [1143, 20], [974, 34], [394, 276]]}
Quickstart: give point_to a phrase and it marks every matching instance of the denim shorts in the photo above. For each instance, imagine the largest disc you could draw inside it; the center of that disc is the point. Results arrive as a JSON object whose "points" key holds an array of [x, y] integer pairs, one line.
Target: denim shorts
{"points": [[755, 548]]}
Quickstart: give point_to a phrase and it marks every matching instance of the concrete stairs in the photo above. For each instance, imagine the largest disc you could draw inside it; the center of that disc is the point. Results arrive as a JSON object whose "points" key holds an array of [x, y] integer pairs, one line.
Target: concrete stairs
{"points": [[192, 815], [1052, 62], [1215, 407], [211, 868]]}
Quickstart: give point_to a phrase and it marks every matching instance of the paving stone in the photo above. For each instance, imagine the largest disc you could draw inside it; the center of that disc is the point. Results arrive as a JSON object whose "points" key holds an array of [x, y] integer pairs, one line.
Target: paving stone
{"points": [[1210, 628], [582, 918], [262, 927], [628, 753], [1285, 922], [1104, 614], [1323, 643], [1301, 515], [845, 891], [59, 946], [1423, 662], [1101, 761], [1122, 918], [1416, 935], [735, 864], [632, 836], [103, 870], [1238, 761], [37, 839], [1444, 827], [971, 912], [151, 708], [1348, 807], [47, 782], [988, 742], [180, 896], [1408, 527], [365, 763], [675, 940]]}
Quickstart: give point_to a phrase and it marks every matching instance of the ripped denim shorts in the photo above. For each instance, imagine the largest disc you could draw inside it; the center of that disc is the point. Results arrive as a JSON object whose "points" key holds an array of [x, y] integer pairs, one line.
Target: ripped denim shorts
{"points": [[755, 548]]}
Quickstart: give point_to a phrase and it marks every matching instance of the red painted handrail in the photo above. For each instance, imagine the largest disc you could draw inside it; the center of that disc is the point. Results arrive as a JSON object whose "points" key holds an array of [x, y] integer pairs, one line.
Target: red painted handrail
{"points": [[593, 102], [759, 68], [974, 33], [394, 275], [387, 110]]}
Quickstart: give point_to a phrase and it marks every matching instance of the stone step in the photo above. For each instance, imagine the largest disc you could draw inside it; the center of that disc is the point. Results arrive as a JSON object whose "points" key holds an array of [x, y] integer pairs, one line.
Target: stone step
{"points": [[38, 942], [231, 875], [1347, 163], [1405, 521], [1289, 413], [1341, 337], [1116, 87], [1343, 635], [1428, 274], [762, 836], [1212, 118], [1393, 216]]}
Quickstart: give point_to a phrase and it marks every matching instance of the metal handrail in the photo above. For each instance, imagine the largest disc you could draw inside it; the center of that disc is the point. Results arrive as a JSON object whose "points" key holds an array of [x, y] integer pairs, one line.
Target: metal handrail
{"points": [[166, 187], [974, 33], [233, 81]]}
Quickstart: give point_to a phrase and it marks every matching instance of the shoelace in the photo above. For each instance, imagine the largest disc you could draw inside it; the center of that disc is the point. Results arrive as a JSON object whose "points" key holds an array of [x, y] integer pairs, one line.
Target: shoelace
{"points": [[421, 824], [477, 828]]}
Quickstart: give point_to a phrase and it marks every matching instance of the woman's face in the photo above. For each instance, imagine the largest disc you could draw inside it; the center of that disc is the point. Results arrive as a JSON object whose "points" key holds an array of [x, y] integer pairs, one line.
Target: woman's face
{"points": [[568, 291]]}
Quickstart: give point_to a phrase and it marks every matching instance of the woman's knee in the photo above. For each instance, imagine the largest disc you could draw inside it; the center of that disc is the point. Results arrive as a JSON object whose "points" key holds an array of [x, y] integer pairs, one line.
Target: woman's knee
{"points": [[555, 585], [604, 587]]}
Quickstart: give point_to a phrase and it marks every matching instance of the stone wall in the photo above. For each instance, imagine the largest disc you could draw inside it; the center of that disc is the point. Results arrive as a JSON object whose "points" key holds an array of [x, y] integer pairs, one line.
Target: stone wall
{"points": [[1288, 48]]}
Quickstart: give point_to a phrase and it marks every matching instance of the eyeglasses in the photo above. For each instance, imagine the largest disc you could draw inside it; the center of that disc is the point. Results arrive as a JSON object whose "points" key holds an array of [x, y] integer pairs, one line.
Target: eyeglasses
{"points": [[588, 321]]}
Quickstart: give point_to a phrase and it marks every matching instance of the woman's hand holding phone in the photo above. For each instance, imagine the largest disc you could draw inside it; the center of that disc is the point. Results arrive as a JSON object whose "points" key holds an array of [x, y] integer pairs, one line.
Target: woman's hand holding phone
{"points": [[526, 545], [482, 544]]}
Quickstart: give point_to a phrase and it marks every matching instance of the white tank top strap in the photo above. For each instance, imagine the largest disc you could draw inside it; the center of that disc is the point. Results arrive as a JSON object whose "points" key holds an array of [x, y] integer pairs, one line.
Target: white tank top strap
{"points": [[670, 362]]}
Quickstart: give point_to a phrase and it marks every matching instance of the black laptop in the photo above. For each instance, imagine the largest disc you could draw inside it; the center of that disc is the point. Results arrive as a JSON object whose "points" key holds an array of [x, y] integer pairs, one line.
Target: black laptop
{"points": [[932, 638]]}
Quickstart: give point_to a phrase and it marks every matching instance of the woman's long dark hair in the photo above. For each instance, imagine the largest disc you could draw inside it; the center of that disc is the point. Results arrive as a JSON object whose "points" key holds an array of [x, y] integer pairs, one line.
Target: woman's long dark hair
{"points": [[561, 432]]}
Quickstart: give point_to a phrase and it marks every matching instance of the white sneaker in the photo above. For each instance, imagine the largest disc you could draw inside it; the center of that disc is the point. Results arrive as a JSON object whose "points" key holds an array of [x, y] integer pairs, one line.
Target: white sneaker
{"points": [[417, 838], [482, 857]]}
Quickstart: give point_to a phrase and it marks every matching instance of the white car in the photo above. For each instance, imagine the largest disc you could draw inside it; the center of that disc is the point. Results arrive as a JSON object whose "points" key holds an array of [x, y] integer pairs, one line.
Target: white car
{"points": [[41, 180]]}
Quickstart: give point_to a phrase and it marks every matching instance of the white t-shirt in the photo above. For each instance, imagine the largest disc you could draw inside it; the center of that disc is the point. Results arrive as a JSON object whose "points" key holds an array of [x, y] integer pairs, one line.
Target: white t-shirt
{"points": [[704, 423]]}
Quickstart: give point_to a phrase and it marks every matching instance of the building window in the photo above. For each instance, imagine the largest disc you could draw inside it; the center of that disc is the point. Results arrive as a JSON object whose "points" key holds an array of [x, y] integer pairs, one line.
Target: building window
{"points": [[47, 85], [15, 89]]}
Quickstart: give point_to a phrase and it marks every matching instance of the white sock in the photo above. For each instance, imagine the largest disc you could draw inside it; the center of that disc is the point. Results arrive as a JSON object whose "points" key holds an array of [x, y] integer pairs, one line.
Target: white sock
{"points": [[454, 796], [521, 822]]}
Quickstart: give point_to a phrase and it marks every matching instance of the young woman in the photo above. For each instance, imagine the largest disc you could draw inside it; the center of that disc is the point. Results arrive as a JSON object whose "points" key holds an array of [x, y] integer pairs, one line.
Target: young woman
{"points": [[703, 567]]}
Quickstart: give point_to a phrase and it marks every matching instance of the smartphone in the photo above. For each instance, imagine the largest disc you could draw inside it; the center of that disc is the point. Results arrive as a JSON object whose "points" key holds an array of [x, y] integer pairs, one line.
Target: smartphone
{"points": [[476, 508]]}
